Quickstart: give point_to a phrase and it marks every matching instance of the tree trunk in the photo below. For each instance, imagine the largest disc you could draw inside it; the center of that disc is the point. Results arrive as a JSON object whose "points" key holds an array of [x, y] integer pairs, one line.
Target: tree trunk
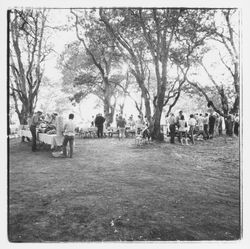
{"points": [[121, 108], [236, 104], [23, 116], [108, 108], [156, 134]]}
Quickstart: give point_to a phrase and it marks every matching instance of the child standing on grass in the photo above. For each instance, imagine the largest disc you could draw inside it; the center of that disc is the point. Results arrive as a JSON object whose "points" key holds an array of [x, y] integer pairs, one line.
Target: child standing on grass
{"points": [[69, 134]]}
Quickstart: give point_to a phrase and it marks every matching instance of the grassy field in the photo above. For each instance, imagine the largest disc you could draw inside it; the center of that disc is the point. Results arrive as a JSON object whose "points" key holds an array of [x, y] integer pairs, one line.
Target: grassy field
{"points": [[113, 190]]}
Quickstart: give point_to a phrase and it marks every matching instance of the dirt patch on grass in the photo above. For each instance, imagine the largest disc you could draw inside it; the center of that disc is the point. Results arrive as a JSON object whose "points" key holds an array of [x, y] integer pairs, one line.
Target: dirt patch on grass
{"points": [[113, 190]]}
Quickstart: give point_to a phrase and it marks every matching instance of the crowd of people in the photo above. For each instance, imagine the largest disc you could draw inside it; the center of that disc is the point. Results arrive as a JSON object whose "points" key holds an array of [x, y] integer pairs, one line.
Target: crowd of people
{"points": [[121, 124], [52, 124], [199, 126]]}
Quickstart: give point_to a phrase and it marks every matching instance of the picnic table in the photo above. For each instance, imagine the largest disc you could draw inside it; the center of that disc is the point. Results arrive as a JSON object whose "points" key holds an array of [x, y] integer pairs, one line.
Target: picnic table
{"points": [[91, 132], [51, 139], [88, 132]]}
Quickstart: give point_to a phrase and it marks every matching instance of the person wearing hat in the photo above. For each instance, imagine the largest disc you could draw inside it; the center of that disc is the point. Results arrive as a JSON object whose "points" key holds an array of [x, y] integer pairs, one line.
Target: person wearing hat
{"points": [[35, 120]]}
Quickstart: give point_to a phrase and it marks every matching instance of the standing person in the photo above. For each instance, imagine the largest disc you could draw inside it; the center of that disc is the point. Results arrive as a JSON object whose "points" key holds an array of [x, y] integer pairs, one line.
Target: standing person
{"points": [[99, 121], [216, 124], [183, 130], [167, 124], [131, 122], [172, 123], [212, 120], [201, 127], [178, 118], [192, 122], [206, 122], [236, 124], [35, 120], [121, 123], [69, 134]]}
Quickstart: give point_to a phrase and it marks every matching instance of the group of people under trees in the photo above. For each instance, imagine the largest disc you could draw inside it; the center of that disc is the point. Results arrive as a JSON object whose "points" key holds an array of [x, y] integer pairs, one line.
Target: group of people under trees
{"points": [[121, 124], [53, 122], [205, 125], [198, 125]]}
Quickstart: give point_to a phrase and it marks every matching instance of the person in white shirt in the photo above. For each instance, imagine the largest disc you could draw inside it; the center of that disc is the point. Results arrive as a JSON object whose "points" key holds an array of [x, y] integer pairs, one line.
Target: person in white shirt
{"points": [[183, 130], [139, 124], [69, 134], [201, 127], [192, 122], [167, 124]]}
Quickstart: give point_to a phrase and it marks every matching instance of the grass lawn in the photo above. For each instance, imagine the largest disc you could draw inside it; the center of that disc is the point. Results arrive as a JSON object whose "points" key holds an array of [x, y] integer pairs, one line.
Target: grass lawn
{"points": [[112, 190]]}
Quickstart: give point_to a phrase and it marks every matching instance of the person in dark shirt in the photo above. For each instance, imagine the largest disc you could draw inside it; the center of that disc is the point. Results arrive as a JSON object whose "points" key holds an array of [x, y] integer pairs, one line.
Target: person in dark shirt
{"points": [[99, 121], [211, 125], [236, 124], [35, 120]]}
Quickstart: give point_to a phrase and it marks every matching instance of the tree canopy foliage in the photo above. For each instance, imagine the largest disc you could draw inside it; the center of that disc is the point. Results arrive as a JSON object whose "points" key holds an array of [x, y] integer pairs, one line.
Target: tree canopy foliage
{"points": [[160, 53]]}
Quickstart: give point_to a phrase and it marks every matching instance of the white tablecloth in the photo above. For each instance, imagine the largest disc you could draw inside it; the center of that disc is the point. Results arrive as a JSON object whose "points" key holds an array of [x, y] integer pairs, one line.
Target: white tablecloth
{"points": [[25, 133], [53, 139]]}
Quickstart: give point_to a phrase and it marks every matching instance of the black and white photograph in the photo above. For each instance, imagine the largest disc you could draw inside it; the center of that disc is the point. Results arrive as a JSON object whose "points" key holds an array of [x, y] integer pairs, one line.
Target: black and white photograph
{"points": [[124, 123]]}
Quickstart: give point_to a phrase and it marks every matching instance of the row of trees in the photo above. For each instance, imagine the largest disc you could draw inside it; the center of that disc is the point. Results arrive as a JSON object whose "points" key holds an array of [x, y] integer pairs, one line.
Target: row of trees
{"points": [[154, 52]]}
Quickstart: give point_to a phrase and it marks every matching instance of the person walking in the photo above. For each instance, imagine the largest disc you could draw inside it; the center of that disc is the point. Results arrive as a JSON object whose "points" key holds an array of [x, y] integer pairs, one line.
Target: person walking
{"points": [[99, 121], [34, 122], [69, 134]]}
